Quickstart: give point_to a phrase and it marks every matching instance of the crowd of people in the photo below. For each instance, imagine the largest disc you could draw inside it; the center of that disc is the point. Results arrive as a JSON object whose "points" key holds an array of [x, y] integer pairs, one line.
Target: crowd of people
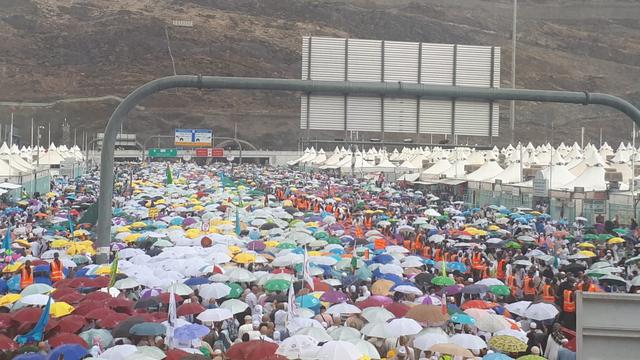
{"points": [[252, 262]]}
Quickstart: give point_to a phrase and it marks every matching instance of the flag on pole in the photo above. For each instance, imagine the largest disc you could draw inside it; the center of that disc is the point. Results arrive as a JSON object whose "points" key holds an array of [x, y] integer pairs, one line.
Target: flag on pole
{"points": [[71, 226], [169, 175], [354, 257], [172, 316], [291, 303], [37, 333], [6, 242], [444, 296], [114, 271], [306, 271], [238, 230]]}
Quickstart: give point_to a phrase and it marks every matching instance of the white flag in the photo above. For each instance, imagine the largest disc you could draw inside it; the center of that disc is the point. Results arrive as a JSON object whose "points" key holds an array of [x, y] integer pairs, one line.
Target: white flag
{"points": [[172, 317], [306, 271], [291, 303]]}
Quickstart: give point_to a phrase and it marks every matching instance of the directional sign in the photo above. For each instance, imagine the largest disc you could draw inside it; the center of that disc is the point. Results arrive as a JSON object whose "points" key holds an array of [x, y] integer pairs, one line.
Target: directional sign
{"points": [[163, 153], [193, 137]]}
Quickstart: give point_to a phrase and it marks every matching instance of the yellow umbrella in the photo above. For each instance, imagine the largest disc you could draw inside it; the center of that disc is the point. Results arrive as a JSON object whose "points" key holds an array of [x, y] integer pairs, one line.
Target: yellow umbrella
{"points": [[122, 229], [103, 270], [175, 227], [234, 249], [271, 243], [287, 203], [161, 201], [9, 299], [587, 245], [132, 237], [60, 309], [12, 267], [481, 233], [138, 224], [382, 287], [587, 253], [59, 243], [198, 208], [244, 258], [23, 243], [493, 228], [192, 233], [615, 240]]}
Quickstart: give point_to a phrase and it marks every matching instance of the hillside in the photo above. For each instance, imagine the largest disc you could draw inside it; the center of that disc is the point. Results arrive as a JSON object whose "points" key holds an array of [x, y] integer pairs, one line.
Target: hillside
{"points": [[57, 49]]}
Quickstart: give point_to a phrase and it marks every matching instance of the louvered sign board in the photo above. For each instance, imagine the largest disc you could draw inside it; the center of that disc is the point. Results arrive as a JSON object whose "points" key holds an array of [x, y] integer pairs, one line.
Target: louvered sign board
{"points": [[337, 59]]}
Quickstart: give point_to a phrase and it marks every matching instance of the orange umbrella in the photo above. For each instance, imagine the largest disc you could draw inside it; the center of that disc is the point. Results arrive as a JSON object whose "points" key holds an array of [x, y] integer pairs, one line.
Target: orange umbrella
{"points": [[431, 315], [382, 287], [478, 304]]}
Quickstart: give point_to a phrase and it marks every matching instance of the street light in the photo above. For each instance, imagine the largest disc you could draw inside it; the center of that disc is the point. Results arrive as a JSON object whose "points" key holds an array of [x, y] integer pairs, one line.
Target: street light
{"points": [[35, 173]]}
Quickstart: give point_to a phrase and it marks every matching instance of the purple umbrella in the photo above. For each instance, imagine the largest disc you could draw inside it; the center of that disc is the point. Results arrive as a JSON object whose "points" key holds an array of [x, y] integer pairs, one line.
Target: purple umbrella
{"points": [[336, 227], [334, 297], [149, 293], [452, 290], [256, 246], [475, 289], [189, 221]]}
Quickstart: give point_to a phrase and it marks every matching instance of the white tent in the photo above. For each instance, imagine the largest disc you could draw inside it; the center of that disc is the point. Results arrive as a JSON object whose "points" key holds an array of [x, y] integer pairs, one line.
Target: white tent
{"points": [[487, 171]]}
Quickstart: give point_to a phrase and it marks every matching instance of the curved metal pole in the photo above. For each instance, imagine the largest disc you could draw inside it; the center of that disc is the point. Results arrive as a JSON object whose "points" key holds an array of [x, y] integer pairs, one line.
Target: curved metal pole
{"points": [[238, 142], [311, 86]]}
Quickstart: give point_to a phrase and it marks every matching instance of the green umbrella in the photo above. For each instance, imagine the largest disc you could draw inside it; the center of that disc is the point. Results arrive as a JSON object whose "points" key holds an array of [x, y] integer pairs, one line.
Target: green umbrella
{"points": [[101, 335], [236, 290], [590, 237], [321, 235], [620, 231], [597, 273], [500, 290], [513, 245], [333, 240], [632, 260], [277, 285], [604, 237], [442, 281], [286, 245], [443, 218]]}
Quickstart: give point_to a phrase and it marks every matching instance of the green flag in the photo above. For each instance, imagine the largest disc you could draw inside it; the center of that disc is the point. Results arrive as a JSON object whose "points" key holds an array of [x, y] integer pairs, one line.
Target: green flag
{"points": [[114, 271], [169, 175]]}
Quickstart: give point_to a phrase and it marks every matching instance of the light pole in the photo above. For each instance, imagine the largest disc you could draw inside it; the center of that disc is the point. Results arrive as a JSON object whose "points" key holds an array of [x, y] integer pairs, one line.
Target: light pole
{"points": [[35, 173], [513, 68]]}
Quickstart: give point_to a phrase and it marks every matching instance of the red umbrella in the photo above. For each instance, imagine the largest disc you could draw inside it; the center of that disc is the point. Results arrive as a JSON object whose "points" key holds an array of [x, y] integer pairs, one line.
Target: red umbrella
{"points": [[71, 323], [164, 298], [282, 271], [67, 338], [51, 325], [397, 309], [176, 354], [112, 320], [82, 282], [98, 296], [39, 262], [159, 317], [319, 285], [478, 304], [6, 344], [64, 283], [190, 309], [97, 314], [102, 281], [251, 350], [374, 301], [27, 315], [5, 321], [119, 302], [72, 298], [86, 307], [60, 292]]}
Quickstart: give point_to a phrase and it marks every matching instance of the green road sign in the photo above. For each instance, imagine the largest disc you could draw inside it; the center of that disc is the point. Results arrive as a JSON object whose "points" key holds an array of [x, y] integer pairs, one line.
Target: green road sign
{"points": [[163, 153]]}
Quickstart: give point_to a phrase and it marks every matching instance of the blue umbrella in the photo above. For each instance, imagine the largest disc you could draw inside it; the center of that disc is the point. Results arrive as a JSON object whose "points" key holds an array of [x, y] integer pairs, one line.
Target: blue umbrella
{"points": [[190, 332], [147, 329], [42, 280], [42, 268], [70, 352], [521, 220], [429, 262], [196, 281], [462, 318], [383, 259], [3, 287], [14, 283], [453, 266], [307, 301], [497, 356], [393, 277]]}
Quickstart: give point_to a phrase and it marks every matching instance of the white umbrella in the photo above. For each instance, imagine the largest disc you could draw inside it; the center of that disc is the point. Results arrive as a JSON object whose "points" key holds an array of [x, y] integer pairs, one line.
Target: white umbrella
{"points": [[403, 326], [468, 341], [298, 347], [126, 283], [541, 311], [366, 348], [518, 307], [411, 261], [375, 329], [391, 269], [344, 333], [519, 334], [377, 314], [240, 275], [180, 289], [490, 282], [234, 305], [36, 299], [319, 334], [119, 352], [297, 323], [220, 258], [215, 315], [343, 308], [492, 323], [342, 350], [129, 253], [408, 289], [214, 291], [426, 341]]}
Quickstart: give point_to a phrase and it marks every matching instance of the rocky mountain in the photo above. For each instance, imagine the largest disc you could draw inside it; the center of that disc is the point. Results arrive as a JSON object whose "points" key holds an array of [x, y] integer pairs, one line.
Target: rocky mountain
{"points": [[84, 50]]}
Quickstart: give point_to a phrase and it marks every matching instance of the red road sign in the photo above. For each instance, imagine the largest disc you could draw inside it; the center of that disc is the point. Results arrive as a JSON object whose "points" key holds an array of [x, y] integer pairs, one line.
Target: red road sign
{"points": [[209, 152], [217, 152]]}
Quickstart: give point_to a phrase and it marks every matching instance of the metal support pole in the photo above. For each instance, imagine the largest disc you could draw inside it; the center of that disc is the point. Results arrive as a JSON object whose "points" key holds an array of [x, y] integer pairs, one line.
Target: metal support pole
{"points": [[313, 86], [514, 36]]}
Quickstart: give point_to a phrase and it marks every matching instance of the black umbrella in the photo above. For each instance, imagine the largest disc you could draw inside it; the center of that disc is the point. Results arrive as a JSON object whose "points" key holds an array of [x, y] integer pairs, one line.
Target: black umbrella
{"points": [[146, 303], [424, 278], [573, 268], [122, 330], [268, 226]]}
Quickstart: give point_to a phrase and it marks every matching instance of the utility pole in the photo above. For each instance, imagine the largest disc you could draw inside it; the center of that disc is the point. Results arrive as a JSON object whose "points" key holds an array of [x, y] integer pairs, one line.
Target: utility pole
{"points": [[31, 133], [11, 132], [513, 68], [49, 142]]}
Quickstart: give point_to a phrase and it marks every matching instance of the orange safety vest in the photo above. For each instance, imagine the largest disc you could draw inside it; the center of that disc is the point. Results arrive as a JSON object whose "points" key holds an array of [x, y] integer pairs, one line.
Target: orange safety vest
{"points": [[437, 255], [568, 305], [316, 208], [546, 294], [56, 271], [329, 208], [359, 232], [406, 244], [485, 272], [26, 278], [511, 283], [592, 287], [368, 222], [426, 252], [500, 271], [379, 244], [528, 289], [476, 261], [453, 258]]}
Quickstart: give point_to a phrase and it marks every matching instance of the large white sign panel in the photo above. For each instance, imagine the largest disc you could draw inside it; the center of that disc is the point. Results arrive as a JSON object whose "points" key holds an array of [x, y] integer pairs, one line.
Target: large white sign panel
{"points": [[338, 59]]}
